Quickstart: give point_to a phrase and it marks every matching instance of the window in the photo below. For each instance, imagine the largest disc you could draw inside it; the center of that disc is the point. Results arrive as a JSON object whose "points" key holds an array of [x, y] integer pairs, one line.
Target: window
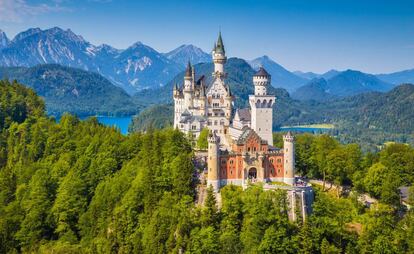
{"points": [[254, 149], [271, 160], [193, 127], [231, 162], [271, 171], [223, 161], [279, 160], [215, 122], [209, 123]]}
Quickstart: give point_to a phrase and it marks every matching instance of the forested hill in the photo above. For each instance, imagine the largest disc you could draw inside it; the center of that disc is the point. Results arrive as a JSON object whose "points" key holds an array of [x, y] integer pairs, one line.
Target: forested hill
{"points": [[81, 187], [73, 90], [390, 112]]}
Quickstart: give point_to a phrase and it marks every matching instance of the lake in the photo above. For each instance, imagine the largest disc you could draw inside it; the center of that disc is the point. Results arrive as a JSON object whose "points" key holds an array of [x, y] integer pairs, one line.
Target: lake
{"points": [[121, 123]]}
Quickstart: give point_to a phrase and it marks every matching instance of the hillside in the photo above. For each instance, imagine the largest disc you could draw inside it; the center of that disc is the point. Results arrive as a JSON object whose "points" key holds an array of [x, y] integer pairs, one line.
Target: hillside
{"points": [[340, 84], [73, 90], [316, 90]]}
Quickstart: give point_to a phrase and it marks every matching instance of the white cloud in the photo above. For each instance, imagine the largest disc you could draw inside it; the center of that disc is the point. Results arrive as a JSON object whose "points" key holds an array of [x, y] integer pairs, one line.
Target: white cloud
{"points": [[18, 10]]}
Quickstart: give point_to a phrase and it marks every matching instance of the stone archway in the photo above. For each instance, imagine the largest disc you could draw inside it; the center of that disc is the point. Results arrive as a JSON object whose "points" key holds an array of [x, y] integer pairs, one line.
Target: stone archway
{"points": [[252, 174]]}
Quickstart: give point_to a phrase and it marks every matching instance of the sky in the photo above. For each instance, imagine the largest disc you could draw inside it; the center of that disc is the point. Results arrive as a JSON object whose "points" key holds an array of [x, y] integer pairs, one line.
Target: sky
{"points": [[318, 35]]}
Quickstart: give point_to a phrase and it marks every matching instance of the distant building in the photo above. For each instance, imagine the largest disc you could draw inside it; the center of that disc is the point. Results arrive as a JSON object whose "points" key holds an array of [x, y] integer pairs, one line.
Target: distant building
{"points": [[240, 149]]}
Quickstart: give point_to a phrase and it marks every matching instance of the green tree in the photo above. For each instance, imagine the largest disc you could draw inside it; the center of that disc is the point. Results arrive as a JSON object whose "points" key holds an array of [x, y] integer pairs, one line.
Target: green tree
{"points": [[202, 142]]}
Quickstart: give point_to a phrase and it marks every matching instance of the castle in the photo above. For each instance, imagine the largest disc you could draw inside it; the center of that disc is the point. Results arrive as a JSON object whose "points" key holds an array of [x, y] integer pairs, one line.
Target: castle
{"points": [[240, 146]]}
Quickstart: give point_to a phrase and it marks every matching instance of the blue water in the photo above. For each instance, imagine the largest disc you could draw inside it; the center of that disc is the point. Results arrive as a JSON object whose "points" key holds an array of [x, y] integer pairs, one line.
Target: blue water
{"points": [[121, 123]]}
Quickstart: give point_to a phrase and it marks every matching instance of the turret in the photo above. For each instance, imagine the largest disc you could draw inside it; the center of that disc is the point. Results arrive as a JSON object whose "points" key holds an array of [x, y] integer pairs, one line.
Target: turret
{"points": [[213, 178], [176, 90], [261, 80], [188, 77], [219, 57], [261, 105], [289, 158], [188, 86]]}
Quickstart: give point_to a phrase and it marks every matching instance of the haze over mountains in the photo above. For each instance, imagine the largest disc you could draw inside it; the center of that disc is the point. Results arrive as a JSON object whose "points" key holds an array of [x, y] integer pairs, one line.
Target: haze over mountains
{"points": [[141, 67]]}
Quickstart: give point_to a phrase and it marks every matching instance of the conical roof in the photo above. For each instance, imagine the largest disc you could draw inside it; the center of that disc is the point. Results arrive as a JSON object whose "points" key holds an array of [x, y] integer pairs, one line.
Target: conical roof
{"points": [[188, 70], [219, 48], [262, 72]]}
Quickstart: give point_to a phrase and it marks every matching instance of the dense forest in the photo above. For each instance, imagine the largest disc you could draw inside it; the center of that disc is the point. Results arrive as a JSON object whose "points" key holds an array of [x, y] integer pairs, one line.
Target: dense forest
{"points": [[80, 187]]}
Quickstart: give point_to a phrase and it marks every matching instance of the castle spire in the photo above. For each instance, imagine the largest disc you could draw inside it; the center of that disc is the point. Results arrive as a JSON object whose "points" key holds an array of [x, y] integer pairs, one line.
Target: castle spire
{"points": [[219, 47], [188, 70]]}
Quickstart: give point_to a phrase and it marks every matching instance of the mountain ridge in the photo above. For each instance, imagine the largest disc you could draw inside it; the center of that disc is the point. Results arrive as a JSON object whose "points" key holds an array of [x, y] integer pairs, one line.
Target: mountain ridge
{"points": [[67, 89]]}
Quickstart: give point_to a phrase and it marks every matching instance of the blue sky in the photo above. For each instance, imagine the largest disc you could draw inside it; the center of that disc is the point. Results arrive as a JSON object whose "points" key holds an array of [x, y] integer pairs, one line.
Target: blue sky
{"points": [[371, 36]]}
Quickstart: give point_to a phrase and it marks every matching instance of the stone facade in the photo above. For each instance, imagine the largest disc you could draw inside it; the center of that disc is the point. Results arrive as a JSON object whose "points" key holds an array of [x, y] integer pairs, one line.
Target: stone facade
{"points": [[240, 142]]}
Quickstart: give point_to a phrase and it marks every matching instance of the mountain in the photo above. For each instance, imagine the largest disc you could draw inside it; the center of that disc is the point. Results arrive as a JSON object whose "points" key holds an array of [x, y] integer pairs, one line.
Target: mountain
{"points": [[67, 89], [280, 76], [4, 41], [185, 53], [315, 90], [306, 75], [329, 74], [390, 112], [142, 67], [135, 68], [397, 78], [343, 84], [352, 82]]}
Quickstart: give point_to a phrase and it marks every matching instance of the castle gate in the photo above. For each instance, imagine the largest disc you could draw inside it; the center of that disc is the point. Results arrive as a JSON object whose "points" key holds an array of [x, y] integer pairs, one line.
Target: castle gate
{"points": [[252, 174]]}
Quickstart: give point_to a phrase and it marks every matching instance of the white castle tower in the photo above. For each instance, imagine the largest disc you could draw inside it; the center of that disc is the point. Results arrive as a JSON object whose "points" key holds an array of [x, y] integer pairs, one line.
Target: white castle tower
{"points": [[261, 105], [289, 158], [188, 87], [219, 57]]}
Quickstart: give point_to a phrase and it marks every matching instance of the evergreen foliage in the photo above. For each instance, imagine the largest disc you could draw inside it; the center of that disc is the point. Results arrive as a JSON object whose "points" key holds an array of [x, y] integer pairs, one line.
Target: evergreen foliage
{"points": [[80, 187]]}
